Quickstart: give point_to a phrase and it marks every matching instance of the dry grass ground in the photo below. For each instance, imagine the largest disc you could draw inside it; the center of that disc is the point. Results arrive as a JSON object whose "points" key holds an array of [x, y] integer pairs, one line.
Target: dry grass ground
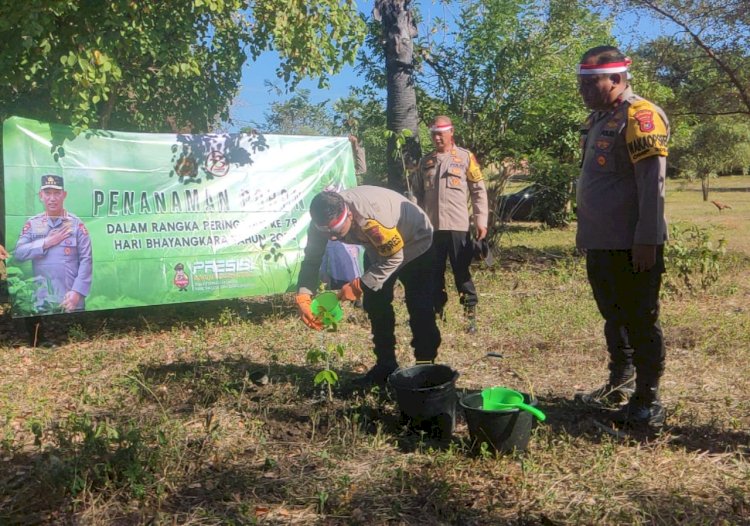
{"points": [[206, 414]]}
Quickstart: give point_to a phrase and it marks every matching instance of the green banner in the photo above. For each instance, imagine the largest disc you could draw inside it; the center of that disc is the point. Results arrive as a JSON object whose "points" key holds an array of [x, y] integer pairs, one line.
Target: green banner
{"points": [[106, 220]]}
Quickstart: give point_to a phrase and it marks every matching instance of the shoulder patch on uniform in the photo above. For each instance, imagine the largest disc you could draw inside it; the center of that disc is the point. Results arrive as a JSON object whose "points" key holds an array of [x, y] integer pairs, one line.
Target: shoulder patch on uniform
{"points": [[83, 230], [646, 134], [387, 241], [474, 173]]}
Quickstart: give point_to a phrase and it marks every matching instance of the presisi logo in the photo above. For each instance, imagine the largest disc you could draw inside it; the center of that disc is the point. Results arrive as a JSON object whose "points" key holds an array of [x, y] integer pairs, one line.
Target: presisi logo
{"points": [[221, 266]]}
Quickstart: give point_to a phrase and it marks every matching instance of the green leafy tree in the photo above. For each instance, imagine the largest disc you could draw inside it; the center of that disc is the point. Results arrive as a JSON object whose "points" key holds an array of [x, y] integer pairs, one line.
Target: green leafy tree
{"points": [[717, 38], [506, 73], [298, 116], [159, 66], [362, 113], [504, 70], [710, 119], [122, 64], [697, 88], [712, 147], [149, 65]]}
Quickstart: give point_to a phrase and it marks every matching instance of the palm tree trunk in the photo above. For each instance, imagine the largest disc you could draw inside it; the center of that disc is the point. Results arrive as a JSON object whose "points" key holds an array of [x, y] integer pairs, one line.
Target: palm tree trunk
{"points": [[399, 29]]}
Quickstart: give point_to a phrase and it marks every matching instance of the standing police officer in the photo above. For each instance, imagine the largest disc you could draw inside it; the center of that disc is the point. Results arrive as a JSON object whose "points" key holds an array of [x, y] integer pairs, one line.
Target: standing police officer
{"points": [[448, 178], [621, 228], [59, 247]]}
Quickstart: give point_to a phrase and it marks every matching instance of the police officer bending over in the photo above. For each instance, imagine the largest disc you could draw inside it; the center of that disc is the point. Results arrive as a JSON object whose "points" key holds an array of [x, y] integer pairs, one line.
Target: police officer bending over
{"points": [[397, 237]]}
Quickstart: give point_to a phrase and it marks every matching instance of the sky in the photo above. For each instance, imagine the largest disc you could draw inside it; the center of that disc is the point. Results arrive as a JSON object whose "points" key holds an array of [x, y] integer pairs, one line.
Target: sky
{"points": [[255, 96]]}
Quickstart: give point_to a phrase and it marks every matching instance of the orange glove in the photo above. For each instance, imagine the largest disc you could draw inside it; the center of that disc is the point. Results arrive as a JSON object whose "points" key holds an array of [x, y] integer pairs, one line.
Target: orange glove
{"points": [[305, 312], [352, 291]]}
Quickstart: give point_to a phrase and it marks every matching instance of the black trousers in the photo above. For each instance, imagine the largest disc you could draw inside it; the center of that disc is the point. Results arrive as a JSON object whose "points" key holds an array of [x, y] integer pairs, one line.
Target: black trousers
{"points": [[629, 303], [457, 248], [418, 286]]}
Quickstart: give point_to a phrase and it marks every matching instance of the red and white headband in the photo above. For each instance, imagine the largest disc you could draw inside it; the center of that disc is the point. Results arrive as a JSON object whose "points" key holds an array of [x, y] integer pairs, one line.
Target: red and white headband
{"points": [[604, 69], [441, 128], [334, 226]]}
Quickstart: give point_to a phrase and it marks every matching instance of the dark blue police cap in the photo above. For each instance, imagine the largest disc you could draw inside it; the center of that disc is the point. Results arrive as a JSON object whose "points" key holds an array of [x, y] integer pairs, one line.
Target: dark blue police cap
{"points": [[52, 181]]}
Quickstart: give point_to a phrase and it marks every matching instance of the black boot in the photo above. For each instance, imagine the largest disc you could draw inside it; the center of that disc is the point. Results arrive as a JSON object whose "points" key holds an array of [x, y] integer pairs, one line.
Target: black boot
{"points": [[619, 387], [614, 393], [644, 407], [470, 314]]}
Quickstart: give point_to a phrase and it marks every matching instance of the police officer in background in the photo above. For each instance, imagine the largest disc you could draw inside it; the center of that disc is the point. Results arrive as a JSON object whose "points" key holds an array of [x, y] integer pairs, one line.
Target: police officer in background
{"points": [[622, 230], [59, 247], [397, 237], [447, 179]]}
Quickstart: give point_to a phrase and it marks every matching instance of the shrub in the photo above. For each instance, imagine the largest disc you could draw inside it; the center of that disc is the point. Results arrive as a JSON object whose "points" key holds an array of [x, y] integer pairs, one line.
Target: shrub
{"points": [[555, 182], [693, 262]]}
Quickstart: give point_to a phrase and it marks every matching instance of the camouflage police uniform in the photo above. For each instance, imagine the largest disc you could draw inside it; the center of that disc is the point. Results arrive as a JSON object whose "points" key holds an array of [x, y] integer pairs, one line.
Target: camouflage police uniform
{"points": [[397, 238], [61, 268], [445, 183], [620, 203]]}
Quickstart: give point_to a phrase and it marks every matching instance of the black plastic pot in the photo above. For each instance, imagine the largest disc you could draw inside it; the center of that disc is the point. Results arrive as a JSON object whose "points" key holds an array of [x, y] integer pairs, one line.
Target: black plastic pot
{"points": [[426, 396], [503, 431]]}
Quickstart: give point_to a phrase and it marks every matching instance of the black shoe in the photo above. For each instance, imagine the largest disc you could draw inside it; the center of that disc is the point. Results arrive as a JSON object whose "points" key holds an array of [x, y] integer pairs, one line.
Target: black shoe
{"points": [[606, 396], [376, 376], [640, 413]]}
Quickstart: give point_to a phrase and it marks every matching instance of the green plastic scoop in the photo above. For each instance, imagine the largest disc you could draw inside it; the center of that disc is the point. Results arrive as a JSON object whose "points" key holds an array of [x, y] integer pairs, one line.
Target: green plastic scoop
{"points": [[326, 306], [503, 399]]}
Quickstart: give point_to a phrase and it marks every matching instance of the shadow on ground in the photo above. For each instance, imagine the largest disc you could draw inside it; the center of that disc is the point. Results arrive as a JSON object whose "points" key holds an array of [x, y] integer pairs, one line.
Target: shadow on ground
{"points": [[157, 318]]}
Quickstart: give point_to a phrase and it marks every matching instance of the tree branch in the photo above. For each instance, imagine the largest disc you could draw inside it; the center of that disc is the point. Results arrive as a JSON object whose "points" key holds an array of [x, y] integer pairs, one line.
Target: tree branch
{"points": [[741, 88]]}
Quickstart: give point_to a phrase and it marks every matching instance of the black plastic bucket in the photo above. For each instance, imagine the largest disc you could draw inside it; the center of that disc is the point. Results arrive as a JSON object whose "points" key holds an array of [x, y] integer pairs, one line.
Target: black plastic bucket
{"points": [[426, 396], [503, 431]]}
